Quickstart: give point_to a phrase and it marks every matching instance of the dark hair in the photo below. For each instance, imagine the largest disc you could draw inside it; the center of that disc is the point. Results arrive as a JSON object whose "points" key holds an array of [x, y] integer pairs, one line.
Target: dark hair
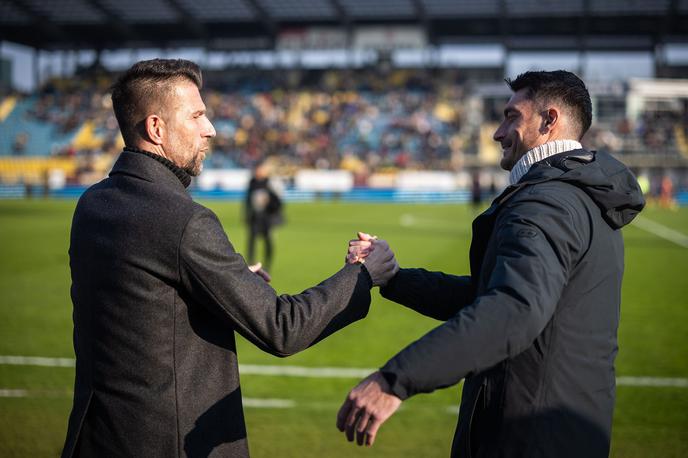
{"points": [[561, 86], [143, 88]]}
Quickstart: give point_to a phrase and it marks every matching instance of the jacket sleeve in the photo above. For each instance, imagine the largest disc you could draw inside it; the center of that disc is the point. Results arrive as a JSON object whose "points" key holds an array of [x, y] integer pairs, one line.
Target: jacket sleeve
{"points": [[537, 244], [214, 275], [433, 294]]}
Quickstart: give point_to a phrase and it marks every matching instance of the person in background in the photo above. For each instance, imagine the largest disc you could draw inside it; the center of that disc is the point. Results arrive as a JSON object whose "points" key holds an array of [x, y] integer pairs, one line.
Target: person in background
{"points": [[263, 210], [666, 195], [19, 144], [476, 191]]}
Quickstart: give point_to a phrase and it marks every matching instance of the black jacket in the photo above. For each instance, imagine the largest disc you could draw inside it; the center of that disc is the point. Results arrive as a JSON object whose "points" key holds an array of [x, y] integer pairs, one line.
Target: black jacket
{"points": [[158, 292], [263, 207], [533, 329]]}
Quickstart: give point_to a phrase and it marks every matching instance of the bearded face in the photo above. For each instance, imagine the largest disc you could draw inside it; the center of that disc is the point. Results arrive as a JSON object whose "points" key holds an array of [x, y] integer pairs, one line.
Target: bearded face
{"points": [[189, 129]]}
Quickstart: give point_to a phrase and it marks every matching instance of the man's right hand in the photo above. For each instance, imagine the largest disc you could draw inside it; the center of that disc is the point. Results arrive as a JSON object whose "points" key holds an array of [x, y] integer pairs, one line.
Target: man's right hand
{"points": [[379, 259], [360, 248], [366, 408], [258, 270]]}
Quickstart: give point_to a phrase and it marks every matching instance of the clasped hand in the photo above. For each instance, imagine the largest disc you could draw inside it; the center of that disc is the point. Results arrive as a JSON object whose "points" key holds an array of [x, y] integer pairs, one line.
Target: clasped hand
{"points": [[376, 254]]}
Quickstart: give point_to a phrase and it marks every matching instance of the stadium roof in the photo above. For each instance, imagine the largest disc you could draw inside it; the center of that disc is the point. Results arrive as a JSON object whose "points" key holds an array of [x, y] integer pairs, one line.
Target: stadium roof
{"points": [[257, 24]]}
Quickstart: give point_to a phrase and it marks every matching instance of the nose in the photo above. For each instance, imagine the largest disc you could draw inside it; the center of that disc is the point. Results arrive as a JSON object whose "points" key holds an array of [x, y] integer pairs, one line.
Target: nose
{"points": [[499, 133], [209, 130]]}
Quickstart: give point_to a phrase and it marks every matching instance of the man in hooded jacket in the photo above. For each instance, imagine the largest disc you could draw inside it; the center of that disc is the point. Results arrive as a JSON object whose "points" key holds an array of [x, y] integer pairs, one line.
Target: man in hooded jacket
{"points": [[533, 329]]}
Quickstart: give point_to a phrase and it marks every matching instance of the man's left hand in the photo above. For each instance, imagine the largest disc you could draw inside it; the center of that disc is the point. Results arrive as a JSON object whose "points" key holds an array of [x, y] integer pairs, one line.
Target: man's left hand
{"points": [[366, 407]]}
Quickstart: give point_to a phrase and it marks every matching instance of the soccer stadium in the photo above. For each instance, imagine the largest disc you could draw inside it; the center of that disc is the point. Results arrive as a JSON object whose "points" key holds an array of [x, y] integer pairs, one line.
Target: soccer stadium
{"points": [[374, 116]]}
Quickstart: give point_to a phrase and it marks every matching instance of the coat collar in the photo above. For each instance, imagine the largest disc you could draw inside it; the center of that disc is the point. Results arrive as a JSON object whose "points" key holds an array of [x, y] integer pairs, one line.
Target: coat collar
{"points": [[146, 168], [548, 169]]}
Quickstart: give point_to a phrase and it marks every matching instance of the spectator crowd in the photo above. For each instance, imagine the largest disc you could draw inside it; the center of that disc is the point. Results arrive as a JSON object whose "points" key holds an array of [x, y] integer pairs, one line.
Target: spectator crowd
{"points": [[364, 120]]}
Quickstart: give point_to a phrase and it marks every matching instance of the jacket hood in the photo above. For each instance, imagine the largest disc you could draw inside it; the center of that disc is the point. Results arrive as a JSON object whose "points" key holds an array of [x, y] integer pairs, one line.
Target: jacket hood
{"points": [[608, 182]]}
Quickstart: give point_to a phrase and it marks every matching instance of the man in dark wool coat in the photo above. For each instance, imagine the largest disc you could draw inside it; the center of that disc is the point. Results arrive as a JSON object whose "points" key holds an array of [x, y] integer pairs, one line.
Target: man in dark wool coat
{"points": [[533, 329], [158, 290]]}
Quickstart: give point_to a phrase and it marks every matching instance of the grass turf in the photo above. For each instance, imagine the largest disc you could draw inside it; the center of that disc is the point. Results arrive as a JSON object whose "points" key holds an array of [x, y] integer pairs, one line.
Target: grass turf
{"points": [[35, 320]]}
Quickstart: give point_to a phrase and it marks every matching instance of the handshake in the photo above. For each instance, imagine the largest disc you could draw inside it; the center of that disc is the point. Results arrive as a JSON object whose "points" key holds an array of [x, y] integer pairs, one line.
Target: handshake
{"points": [[378, 258], [371, 402]]}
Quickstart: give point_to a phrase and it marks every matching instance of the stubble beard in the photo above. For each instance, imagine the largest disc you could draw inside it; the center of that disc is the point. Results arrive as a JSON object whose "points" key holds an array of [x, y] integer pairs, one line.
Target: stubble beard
{"points": [[194, 166]]}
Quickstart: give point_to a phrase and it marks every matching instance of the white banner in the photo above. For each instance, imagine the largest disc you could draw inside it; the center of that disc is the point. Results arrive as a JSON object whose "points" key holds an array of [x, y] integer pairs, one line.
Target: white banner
{"points": [[426, 181], [324, 180], [225, 179]]}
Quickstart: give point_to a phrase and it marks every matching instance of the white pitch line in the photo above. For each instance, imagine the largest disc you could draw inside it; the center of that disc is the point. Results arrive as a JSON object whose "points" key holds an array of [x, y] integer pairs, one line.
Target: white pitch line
{"points": [[652, 381], [661, 231], [326, 372], [268, 403], [256, 403], [248, 369], [5, 393], [408, 220], [36, 361], [301, 371], [453, 409]]}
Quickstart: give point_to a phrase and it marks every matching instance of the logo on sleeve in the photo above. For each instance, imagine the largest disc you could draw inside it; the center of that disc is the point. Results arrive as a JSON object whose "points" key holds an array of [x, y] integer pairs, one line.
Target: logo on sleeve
{"points": [[526, 233]]}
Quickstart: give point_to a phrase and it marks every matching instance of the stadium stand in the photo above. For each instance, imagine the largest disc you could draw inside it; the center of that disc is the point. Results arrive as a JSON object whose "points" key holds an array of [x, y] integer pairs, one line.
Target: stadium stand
{"points": [[398, 119], [373, 118]]}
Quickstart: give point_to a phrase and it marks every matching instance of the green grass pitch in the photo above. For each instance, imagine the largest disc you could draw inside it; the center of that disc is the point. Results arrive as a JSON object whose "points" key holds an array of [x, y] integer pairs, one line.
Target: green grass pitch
{"points": [[35, 320]]}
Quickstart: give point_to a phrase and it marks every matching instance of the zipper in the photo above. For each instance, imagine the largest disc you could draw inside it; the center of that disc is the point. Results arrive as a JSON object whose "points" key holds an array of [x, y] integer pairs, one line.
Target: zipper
{"points": [[481, 393]]}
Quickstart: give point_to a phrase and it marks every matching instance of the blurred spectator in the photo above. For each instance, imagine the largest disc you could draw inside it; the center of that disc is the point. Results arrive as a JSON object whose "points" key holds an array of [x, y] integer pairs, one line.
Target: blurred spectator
{"points": [[666, 196], [644, 183], [476, 191], [20, 142], [263, 209]]}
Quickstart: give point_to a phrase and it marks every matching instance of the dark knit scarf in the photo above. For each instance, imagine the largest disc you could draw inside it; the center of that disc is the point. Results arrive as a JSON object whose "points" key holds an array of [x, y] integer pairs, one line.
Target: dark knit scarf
{"points": [[180, 173]]}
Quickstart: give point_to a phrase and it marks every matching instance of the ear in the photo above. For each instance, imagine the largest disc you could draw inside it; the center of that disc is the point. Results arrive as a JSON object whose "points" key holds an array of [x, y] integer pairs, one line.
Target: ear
{"points": [[550, 119], [155, 129]]}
